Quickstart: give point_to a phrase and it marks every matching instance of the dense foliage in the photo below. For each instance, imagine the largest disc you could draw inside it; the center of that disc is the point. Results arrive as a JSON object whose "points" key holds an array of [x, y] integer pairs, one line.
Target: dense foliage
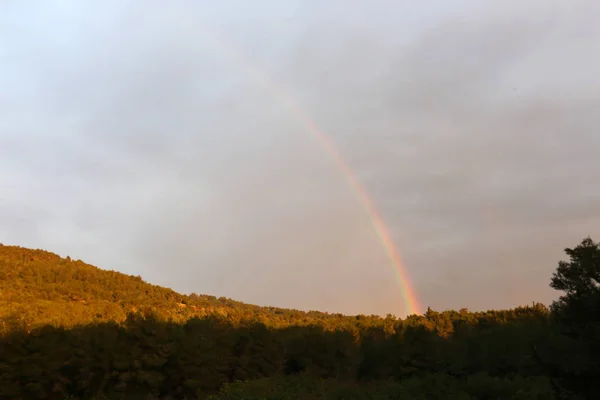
{"points": [[71, 330]]}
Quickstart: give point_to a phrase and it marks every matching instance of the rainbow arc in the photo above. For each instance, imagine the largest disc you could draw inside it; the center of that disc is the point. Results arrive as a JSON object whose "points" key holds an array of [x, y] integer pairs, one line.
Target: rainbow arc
{"points": [[411, 301]]}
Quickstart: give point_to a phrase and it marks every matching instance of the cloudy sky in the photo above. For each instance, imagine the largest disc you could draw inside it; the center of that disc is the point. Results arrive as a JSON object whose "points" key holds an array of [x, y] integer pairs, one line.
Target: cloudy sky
{"points": [[132, 137]]}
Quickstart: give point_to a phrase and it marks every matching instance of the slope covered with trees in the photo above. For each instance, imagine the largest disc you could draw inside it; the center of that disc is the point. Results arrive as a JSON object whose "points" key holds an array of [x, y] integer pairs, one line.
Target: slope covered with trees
{"points": [[71, 330]]}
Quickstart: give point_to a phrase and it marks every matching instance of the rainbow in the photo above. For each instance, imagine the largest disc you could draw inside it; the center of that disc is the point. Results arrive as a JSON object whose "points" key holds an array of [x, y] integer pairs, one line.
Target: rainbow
{"points": [[411, 301]]}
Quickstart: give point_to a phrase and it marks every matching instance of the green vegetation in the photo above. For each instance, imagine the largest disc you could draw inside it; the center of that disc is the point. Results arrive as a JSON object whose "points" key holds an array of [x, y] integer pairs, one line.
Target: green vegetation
{"points": [[69, 330]]}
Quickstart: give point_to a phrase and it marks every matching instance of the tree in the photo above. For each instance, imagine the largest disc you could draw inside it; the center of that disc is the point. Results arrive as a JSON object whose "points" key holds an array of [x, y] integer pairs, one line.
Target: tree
{"points": [[576, 365], [579, 279]]}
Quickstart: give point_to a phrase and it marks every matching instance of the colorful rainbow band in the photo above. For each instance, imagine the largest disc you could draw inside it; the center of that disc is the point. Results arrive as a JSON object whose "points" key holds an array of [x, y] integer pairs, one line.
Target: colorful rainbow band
{"points": [[411, 302]]}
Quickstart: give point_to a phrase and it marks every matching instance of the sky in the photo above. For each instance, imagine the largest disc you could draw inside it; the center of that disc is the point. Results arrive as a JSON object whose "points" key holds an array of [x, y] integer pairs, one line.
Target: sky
{"points": [[132, 139]]}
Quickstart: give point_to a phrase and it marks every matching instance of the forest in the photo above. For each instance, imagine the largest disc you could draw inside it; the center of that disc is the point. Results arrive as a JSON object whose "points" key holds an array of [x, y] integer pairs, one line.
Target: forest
{"points": [[69, 330]]}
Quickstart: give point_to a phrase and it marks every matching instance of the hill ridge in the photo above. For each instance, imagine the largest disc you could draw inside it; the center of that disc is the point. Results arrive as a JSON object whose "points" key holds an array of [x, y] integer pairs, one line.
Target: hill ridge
{"points": [[36, 275]]}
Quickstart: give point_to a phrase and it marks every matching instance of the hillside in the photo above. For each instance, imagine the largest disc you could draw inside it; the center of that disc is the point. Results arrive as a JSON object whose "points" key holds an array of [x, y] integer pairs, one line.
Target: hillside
{"points": [[40, 288], [71, 330]]}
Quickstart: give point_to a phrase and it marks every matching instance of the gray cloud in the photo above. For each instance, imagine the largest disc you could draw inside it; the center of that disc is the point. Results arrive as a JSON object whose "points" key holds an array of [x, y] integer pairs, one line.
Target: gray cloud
{"points": [[128, 139]]}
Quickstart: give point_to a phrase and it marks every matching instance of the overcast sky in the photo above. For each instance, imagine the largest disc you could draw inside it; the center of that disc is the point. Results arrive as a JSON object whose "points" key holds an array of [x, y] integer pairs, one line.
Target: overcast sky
{"points": [[132, 141]]}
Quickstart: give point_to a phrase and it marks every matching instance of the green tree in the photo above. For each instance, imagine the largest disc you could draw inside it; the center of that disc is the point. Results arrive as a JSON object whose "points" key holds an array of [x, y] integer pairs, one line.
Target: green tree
{"points": [[579, 279], [577, 317]]}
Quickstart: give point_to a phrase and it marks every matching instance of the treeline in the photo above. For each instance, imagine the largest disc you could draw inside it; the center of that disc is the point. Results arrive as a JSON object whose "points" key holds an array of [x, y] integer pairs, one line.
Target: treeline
{"points": [[70, 330]]}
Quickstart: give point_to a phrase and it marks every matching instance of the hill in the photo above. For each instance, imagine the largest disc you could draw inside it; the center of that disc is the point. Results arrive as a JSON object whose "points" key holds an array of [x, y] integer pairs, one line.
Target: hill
{"points": [[39, 288], [71, 330]]}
